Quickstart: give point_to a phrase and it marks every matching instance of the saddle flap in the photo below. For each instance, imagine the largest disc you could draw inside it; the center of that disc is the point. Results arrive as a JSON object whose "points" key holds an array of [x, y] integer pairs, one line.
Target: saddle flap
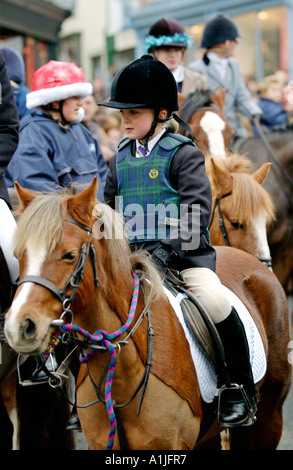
{"points": [[195, 323]]}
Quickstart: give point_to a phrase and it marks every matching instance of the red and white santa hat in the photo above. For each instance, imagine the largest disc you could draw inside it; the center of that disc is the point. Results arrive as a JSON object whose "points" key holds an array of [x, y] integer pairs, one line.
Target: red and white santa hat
{"points": [[56, 81]]}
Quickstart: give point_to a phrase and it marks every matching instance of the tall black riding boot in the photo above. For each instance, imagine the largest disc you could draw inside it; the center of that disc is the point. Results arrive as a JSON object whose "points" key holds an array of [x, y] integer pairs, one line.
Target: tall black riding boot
{"points": [[237, 404]]}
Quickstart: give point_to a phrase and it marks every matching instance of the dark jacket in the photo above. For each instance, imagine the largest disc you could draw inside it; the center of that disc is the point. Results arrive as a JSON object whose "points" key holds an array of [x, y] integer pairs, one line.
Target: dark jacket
{"points": [[188, 177], [274, 116], [9, 125], [16, 73], [48, 157]]}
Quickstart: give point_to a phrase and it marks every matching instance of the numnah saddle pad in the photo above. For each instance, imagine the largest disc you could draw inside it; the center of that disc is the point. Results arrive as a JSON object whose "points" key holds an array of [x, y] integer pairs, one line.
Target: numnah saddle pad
{"points": [[205, 370]]}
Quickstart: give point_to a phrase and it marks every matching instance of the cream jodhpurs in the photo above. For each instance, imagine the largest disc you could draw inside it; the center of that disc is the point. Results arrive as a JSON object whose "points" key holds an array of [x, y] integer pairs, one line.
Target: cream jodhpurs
{"points": [[207, 287], [8, 226]]}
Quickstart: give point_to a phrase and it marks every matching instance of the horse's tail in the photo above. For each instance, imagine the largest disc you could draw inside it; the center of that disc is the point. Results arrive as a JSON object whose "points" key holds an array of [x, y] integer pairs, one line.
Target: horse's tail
{"points": [[148, 273]]}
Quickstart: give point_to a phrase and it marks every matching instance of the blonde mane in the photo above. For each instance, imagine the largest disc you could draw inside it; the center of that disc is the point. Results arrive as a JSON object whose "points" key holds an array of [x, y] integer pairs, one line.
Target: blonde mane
{"points": [[111, 224], [42, 223], [248, 196]]}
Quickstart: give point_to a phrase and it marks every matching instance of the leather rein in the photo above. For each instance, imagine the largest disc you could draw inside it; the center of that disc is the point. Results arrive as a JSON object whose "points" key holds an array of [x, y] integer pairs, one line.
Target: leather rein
{"points": [[267, 261]]}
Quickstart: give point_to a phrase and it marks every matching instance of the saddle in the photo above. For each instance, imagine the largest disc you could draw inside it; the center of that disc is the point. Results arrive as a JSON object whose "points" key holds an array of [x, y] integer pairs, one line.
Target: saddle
{"points": [[200, 325]]}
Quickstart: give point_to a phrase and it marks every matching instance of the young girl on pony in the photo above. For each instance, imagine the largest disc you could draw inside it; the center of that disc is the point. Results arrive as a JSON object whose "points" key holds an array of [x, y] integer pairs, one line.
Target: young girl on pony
{"points": [[155, 168]]}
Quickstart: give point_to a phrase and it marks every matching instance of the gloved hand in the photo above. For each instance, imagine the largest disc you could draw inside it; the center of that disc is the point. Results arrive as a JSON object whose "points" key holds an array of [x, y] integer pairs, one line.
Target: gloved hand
{"points": [[161, 256]]}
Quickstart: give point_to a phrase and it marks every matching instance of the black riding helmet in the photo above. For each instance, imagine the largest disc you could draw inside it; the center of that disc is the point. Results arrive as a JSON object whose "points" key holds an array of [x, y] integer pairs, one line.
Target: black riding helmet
{"points": [[145, 83], [219, 29]]}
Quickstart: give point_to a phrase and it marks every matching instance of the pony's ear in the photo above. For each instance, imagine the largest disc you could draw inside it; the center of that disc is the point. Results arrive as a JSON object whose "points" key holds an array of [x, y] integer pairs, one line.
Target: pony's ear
{"points": [[223, 180], [260, 175], [180, 99], [81, 206], [219, 98], [24, 196]]}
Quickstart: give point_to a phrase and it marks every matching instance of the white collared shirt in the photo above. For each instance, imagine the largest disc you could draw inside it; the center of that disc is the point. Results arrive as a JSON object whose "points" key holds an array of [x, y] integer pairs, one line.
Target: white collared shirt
{"points": [[220, 62], [151, 144], [179, 74]]}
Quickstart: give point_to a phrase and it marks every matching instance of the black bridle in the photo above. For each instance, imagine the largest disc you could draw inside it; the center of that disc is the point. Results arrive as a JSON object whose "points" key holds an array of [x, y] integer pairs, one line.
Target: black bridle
{"points": [[77, 275], [267, 261]]}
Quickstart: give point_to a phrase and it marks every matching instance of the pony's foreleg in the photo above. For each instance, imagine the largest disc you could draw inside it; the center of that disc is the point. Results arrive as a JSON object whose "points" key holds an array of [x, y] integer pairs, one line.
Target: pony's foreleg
{"points": [[8, 389]]}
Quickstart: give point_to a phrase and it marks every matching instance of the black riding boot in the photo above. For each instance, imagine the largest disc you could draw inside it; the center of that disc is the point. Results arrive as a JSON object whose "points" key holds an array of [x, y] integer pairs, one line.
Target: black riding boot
{"points": [[237, 404]]}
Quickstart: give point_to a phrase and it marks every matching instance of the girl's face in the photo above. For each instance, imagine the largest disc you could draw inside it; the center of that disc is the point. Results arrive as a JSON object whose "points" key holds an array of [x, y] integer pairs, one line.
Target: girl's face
{"points": [[71, 107], [137, 122], [169, 56]]}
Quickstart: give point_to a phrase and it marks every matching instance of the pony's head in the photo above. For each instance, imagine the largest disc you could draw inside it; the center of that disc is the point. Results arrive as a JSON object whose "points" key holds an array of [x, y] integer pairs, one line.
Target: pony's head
{"points": [[242, 208], [48, 246], [72, 252]]}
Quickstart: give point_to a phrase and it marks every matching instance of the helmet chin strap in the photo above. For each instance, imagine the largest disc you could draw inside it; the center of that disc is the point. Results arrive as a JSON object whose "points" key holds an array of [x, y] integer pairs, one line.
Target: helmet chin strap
{"points": [[158, 120], [152, 129]]}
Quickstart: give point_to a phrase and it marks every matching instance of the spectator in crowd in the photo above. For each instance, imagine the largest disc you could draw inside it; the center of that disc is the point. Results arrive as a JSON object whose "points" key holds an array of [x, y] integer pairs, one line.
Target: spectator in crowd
{"points": [[287, 86], [91, 111], [111, 123], [16, 73], [55, 149], [221, 69], [167, 41], [99, 89], [274, 116]]}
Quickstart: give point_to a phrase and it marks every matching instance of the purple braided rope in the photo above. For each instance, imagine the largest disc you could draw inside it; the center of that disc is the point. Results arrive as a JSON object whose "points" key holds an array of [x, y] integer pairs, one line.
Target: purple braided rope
{"points": [[101, 336]]}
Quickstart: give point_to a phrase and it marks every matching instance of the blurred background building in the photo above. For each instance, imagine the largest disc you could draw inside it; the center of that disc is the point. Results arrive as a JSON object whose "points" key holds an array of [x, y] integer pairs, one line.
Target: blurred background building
{"points": [[103, 35]]}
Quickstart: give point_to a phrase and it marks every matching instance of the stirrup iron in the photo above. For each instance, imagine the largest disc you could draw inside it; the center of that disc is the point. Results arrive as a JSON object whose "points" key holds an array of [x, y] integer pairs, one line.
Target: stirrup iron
{"points": [[251, 410]]}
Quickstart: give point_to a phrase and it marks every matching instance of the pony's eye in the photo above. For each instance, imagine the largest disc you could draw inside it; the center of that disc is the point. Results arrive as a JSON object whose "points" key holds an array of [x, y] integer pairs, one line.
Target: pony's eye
{"points": [[70, 256], [237, 225]]}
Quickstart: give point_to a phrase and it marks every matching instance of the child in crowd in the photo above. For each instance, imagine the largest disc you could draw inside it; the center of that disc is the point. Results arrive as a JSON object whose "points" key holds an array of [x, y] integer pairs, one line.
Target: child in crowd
{"points": [[55, 149], [274, 116], [155, 167], [91, 111]]}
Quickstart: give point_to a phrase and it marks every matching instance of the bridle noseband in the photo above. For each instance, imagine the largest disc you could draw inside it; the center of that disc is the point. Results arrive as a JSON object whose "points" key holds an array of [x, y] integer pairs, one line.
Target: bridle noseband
{"points": [[77, 275], [267, 261]]}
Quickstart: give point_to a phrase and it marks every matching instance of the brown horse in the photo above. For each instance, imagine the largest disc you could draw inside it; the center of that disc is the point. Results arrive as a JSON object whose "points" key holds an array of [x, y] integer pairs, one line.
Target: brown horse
{"points": [[78, 270], [280, 186], [242, 209]]}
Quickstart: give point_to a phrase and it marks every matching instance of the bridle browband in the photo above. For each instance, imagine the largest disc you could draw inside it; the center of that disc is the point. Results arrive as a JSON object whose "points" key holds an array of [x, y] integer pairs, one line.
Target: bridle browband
{"points": [[78, 273], [267, 261]]}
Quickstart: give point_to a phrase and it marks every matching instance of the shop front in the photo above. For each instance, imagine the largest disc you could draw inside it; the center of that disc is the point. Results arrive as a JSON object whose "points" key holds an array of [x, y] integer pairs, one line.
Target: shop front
{"points": [[31, 28]]}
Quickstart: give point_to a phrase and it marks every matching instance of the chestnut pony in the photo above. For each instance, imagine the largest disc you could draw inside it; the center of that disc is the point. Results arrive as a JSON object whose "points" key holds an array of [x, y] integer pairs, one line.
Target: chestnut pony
{"points": [[76, 266], [280, 186], [242, 209]]}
